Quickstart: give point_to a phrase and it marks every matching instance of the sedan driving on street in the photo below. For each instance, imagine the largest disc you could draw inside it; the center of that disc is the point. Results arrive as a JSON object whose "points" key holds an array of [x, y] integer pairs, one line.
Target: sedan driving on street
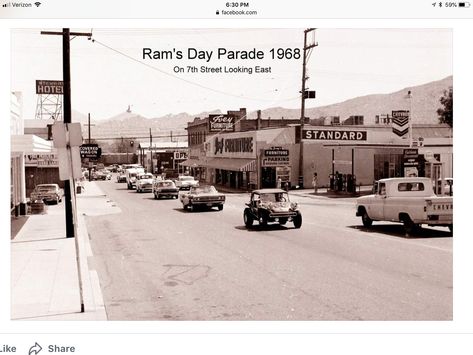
{"points": [[165, 188], [205, 196], [144, 182]]}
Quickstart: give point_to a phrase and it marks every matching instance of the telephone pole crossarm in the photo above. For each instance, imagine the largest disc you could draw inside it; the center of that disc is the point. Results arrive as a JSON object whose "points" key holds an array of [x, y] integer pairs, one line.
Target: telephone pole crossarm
{"points": [[75, 34]]}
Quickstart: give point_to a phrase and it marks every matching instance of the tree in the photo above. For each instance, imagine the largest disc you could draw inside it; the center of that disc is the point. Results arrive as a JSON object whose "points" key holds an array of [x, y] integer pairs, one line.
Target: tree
{"points": [[446, 112]]}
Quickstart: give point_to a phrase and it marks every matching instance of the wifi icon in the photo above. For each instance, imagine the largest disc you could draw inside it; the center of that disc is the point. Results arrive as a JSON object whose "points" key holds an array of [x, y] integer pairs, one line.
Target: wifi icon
{"points": [[37, 3]]}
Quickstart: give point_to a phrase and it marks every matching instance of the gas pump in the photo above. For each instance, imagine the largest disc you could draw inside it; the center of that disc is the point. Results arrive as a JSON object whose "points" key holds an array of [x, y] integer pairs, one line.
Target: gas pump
{"points": [[434, 170]]}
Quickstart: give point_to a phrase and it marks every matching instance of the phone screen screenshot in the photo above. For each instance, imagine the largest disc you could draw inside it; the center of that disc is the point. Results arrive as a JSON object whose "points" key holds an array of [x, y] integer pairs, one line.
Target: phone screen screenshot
{"points": [[236, 177]]}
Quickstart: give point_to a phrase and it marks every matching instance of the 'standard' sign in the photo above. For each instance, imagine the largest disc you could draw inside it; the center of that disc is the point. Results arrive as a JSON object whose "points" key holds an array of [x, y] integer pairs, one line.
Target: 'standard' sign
{"points": [[334, 135]]}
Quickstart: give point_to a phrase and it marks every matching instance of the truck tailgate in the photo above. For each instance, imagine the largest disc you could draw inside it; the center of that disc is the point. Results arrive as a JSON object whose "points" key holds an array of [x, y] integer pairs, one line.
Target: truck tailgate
{"points": [[440, 209]]}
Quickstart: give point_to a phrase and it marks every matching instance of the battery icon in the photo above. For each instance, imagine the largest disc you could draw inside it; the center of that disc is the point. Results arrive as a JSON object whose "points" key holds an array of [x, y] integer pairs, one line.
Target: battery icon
{"points": [[463, 4]]}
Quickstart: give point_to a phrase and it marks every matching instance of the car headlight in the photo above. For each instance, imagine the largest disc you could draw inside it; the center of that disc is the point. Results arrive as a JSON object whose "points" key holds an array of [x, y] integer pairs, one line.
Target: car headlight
{"points": [[293, 206]]}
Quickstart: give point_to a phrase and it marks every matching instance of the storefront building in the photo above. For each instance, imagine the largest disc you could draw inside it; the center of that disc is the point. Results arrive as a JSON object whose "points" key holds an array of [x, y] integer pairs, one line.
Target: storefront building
{"points": [[236, 152], [257, 153], [247, 160], [17, 161], [33, 159], [162, 157], [368, 153]]}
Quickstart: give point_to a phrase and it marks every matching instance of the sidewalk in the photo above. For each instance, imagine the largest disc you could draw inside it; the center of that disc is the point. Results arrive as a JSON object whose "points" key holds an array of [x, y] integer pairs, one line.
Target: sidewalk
{"points": [[321, 192], [44, 276]]}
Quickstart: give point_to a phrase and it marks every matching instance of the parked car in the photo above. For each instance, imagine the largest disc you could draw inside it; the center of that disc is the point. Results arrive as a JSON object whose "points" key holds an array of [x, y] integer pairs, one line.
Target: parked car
{"points": [[47, 193], [185, 182], [202, 196], [271, 205], [165, 188], [144, 182]]}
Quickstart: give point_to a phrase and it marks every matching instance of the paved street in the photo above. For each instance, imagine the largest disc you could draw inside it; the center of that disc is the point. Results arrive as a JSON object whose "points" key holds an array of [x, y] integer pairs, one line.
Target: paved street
{"points": [[156, 261]]}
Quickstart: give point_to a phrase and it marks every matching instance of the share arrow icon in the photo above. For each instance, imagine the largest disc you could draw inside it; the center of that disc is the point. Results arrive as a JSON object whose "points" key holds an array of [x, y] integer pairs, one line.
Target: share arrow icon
{"points": [[35, 349]]}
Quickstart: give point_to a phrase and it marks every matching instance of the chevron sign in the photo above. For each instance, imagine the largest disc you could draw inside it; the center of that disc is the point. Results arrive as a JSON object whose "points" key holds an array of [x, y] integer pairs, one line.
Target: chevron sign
{"points": [[400, 122]]}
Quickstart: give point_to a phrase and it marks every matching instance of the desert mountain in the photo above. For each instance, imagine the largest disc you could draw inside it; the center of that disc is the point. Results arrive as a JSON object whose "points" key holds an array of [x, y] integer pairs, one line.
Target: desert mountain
{"points": [[425, 102]]}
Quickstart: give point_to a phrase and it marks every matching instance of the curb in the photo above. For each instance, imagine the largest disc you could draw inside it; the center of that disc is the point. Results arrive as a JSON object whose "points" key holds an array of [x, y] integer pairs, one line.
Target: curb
{"points": [[93, 298]]}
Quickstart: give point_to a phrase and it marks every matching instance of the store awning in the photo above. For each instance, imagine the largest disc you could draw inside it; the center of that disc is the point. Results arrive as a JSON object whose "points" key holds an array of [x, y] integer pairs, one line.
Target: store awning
{"points": [[29, 143], [230, 164], [193, 163]]}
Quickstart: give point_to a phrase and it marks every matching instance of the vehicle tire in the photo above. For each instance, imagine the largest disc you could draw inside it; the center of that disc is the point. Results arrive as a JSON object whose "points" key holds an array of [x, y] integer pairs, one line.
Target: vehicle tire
{"points": [[367, 221], [220, 207], [409, 226], [185, 207], [297, 221], [282, 221], [247, 218]]}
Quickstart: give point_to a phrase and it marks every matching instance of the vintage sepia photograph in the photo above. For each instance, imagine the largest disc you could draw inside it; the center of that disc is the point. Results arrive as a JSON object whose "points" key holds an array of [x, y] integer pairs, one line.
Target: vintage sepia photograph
{"points": [[234, 174]]}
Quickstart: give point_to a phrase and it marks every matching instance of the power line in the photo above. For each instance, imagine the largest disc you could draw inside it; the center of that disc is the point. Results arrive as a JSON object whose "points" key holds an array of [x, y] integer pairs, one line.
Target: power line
{"points": [[138, 137]]}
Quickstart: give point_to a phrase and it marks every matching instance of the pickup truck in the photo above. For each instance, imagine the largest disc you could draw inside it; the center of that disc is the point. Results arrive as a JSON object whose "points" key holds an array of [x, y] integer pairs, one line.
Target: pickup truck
{"points": [[410, 201]]}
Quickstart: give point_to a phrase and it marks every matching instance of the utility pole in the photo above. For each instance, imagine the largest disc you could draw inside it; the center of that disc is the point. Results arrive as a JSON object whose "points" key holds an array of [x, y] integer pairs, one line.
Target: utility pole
{"points": [[69, 184], [88, 125], [409, 97], [305, 56], [66, 70], [151, 149]]}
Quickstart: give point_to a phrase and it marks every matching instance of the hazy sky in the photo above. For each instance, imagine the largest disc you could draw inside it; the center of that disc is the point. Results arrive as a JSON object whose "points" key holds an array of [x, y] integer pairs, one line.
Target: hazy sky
{"points": [[346, 63]]}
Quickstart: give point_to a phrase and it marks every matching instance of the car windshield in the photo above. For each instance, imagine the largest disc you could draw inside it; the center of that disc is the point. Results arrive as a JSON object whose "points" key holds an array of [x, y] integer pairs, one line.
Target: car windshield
{"points": [[145, 176], [186, 178], [203, 190], [275, 197], [166, 184], [46, 188]]}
